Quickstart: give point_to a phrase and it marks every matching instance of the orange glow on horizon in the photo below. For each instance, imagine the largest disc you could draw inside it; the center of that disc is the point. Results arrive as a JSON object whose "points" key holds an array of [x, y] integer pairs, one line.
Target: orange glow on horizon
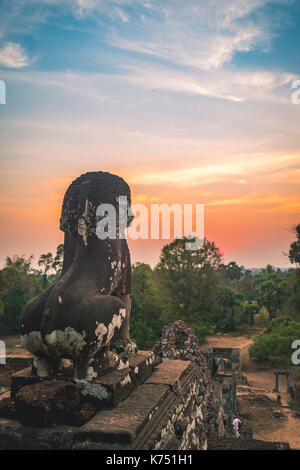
{"points": [[241, 224]]}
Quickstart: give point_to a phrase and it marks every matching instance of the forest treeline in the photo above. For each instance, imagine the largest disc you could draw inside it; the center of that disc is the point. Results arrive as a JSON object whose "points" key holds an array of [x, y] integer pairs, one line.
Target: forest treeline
{"points": [[195, 286]]}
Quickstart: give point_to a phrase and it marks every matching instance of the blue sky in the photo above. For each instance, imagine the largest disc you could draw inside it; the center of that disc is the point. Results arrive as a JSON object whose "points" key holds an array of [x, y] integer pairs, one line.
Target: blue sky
{"points": [[118, 36], [189, 100]]}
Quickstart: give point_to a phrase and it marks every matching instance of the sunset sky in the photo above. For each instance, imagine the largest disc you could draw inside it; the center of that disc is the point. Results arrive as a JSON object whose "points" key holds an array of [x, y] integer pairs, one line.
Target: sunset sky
{"points": [[188, 100]]}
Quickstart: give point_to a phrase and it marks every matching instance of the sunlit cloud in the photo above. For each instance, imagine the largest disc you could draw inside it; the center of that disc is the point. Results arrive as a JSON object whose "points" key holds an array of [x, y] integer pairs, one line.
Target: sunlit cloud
{"points": [[204, 36], [173, 96], [242, 165], [224, 84], [13, 56]]}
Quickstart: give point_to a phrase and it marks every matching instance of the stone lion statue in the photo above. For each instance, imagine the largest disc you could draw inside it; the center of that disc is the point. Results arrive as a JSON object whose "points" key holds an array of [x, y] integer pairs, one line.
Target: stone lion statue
{"points": [[84, 315]]}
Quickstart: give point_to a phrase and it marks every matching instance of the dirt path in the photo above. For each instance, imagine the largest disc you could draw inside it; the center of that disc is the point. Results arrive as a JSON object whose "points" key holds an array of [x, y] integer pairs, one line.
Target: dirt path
{"points": [[257, 402], [227, 341]]}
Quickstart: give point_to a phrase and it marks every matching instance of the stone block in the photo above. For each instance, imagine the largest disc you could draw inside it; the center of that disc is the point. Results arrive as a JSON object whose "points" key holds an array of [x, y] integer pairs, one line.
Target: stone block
{"points": [[52, 402], [7, 407], [122, 423], [21, 379], [15, 436], [112, 388]]}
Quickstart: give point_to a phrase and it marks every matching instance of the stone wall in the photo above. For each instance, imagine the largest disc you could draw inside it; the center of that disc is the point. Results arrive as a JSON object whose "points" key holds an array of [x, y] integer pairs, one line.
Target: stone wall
{"points": [[169, 403], [206, 420], [178, 342], [166, 399], [174, 408], [295, 397], [222, 359]]}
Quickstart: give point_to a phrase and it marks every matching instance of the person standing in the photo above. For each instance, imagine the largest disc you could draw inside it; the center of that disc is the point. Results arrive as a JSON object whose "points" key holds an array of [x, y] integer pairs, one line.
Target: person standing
{"points": [[236, 423]]}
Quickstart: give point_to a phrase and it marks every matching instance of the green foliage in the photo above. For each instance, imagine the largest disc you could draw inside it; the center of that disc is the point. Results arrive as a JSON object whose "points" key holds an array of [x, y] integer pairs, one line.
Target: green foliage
{"points": [[295, 291], [233, 272], [139, 330], [245, 285], [190, 285], [269, 290], [230, 304], [146, 312], [51, 263], [275, 343], [203, 330], [19, 282], [262, 318], [294, 256], [190, 279], [294, 252], [58, 259], [20, 286], [249, 310]]}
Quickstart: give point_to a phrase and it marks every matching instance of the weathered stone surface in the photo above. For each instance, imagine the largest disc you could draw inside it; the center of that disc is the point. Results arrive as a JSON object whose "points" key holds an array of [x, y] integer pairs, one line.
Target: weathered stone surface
{"points": [[169, 372], [123, 423], [51, 402], [21, 379], [179, 406], [110, 389], [176, 408], [178, 342], [84, 314], [245, 444], [222, 359], [17, 361], [142, 365], [105, 391], [7, 406], [15, 436], [202, 408], [84, 414], [160, 414], [295, 396]]}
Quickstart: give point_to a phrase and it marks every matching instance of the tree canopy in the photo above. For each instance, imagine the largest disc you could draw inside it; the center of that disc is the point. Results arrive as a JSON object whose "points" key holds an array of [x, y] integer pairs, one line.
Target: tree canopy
{"points": [[195, 286]]}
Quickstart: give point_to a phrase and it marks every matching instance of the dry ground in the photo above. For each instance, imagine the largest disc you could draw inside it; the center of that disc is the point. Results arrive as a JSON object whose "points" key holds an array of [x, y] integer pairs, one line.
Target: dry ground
{"points": [[13, 344], [257, 401]]}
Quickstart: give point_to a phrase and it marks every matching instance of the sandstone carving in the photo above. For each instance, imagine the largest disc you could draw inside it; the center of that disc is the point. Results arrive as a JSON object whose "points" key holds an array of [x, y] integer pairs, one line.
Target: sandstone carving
{"points": [[84, 315]]}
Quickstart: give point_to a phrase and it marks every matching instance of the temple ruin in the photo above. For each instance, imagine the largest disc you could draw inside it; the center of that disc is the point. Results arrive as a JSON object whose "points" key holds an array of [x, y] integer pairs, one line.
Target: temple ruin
{"points": [[85, 384]]}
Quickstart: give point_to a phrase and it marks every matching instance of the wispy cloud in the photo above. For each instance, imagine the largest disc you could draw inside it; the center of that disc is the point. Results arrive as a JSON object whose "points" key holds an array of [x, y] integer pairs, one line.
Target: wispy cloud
{"points": [[70, 82], [204, 36], [151, 65], [204, 51], [237, 166], [122, 14], [27, 16], [226, 83]]}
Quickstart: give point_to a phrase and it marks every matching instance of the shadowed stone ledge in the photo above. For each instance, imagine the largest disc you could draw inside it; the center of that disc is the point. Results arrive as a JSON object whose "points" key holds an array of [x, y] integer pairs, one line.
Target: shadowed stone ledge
{"points": [[148, 418], [103, 392]]}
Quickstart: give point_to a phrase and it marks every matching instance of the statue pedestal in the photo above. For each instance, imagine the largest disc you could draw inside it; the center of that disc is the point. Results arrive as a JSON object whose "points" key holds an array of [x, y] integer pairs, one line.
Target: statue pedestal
{"points": [[143, 409], [104, 392]]}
